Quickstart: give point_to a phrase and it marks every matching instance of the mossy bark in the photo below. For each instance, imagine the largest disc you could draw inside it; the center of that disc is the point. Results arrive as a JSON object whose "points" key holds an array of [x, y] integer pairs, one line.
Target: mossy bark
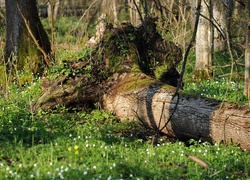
{"points": [[21, 49]]}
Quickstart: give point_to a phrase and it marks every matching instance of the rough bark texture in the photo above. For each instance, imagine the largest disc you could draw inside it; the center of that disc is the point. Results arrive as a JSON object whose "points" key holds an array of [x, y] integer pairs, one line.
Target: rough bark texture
{"points": [[20, 46], [194, 117]]}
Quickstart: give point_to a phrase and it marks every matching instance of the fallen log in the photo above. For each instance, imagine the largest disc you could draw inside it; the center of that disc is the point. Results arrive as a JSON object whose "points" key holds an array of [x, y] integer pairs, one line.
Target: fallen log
{"points": [[138, 84], [193, 118]]}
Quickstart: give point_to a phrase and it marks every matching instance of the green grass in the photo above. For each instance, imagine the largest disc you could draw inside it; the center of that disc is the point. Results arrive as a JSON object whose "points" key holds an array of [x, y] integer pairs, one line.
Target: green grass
{"points": [[78, 145], [221, 89]]}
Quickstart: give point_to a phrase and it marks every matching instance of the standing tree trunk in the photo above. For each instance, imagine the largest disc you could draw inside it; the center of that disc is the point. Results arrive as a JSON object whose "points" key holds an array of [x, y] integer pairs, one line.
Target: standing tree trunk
{"points": [[220, 19], [115, 12], [133, 12], [27, 44], [53, 8], [247, 53], [203, 62]]}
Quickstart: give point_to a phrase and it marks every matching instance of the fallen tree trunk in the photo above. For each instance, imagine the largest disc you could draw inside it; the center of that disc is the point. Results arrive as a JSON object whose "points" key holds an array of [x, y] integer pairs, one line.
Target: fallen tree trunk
{"points": [[194, 117], [139, 64]]}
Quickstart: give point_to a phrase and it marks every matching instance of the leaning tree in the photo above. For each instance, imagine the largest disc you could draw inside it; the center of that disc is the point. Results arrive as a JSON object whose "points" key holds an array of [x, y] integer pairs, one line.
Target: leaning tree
{"points": [[27, 44]]}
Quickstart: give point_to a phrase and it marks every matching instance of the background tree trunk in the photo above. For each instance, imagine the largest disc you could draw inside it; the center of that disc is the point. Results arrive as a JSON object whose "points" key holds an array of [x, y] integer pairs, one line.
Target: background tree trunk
{"points": [[203, 51], [115, 12], [133, 12], [220, 16], [53, 8], [247, 53], [20, 46]]}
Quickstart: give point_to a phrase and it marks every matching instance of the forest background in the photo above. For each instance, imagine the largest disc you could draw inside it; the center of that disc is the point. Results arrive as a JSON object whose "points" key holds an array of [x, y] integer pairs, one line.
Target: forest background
{"points": [[95, 144]]}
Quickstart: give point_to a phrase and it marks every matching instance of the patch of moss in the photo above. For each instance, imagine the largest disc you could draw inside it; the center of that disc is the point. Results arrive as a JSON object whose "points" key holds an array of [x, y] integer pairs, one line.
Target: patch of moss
{"points": [[160, 70], [201, 75], [136, 81], [29, 58], [168, 87], [119, 50], [25, 79], [3, 76], [135, 68]]}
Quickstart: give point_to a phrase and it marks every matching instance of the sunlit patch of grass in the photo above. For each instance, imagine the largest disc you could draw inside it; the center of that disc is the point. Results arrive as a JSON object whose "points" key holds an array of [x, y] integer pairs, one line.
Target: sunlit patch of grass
{"points": [[218, 89]]}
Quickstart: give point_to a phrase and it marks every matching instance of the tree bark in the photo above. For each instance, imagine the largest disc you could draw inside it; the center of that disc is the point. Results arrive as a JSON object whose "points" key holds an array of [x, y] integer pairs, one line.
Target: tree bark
{"points": [[247, 54], [133, 12], [26, 41], [220, 16], [53, 8], [203, 51], [194, 117]]}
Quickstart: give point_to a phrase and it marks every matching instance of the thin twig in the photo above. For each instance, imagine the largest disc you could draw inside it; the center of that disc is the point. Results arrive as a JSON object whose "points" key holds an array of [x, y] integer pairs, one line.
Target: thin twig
{"points": [[198, 160]]}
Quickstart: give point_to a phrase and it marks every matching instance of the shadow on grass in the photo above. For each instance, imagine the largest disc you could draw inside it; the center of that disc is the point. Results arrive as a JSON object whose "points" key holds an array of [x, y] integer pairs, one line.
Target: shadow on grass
{"points": [[30, 130]]}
